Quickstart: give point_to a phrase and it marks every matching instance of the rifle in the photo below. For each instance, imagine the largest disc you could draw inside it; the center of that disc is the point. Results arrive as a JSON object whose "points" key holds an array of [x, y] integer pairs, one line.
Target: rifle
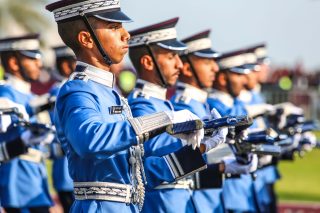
{"points": [[256, 143], [19, 121], [209, 126]]}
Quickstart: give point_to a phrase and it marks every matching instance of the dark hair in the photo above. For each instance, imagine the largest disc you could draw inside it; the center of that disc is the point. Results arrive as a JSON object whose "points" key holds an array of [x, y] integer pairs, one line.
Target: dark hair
{"points": [[5, 56], [60, 60], [136, 53], [183, 58], [69, 31]]}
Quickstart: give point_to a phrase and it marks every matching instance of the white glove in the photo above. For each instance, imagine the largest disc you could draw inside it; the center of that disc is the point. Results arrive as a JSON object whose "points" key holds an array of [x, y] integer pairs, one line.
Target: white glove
{"points": [[218, 136], [181, 116], [5, 121], [258, 109], [233, 167], [5, 103], [265, 160], [295, 143], [311, 139], [31, 139], [288, 108]]}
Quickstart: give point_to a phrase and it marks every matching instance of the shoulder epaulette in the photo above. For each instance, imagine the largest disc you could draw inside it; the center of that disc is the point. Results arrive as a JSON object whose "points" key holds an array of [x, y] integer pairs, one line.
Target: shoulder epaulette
{"points": [[79, 76]]}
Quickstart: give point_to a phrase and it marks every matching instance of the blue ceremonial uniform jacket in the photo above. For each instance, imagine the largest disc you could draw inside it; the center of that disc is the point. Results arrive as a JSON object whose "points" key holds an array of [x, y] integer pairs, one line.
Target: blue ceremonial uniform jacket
{"points": [[145, 99], [60, 173], [96, 138], [268, 174], [23, 183], [95, 141], [195, 100], [238, 193]]}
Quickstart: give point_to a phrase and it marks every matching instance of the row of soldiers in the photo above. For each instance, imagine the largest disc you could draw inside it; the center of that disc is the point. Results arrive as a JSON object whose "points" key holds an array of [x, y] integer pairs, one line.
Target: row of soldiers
{"points": [[199, 151]]}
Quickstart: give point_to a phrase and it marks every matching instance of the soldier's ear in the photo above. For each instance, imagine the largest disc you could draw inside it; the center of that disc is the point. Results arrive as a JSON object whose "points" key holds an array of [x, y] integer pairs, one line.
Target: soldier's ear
{"points": [[147, 62], [85, 40], [222, 79], [186, 69], [13, 64]]}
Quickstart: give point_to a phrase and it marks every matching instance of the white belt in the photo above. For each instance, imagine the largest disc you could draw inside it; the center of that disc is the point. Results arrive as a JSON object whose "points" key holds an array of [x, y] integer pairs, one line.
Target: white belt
{"points": [[102, 191], [181, 184]]}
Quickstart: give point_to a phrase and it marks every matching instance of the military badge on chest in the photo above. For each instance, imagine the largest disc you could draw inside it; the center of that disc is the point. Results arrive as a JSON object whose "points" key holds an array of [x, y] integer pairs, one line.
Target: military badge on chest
{"points": [[113, 110]]}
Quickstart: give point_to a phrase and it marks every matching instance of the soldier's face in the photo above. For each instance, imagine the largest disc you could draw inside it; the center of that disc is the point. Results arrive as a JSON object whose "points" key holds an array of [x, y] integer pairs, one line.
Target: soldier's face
{"points": [[236, 82], [263, 74], [252, 80], [31, 68], [114, 39], [170, 65], [206, 70]]}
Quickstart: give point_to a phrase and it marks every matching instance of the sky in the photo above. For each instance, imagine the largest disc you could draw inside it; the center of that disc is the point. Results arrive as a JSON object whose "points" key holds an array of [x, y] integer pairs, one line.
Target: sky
{"points": [[291, 28]]}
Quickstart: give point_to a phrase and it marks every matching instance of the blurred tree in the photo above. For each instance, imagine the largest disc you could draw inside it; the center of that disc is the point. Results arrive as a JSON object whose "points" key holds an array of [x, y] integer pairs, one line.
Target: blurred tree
{"points": [[27, 16]]}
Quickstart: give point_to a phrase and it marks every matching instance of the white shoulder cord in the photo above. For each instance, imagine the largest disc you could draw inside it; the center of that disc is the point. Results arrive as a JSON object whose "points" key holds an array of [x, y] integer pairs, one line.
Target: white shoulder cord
{"points": [[137, 168]]}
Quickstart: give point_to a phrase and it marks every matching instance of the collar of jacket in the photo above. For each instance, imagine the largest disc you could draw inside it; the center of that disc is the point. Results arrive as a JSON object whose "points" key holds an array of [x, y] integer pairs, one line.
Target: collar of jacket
{"points": [[18, 84], [151, 90], [96, 74], [187, 90], [224, 97]]}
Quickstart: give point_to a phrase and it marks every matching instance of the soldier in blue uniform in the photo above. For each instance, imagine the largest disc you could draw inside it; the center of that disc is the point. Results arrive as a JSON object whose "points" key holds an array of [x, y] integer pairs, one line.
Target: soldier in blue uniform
{"points": [[23, 180], [102, 141], [197, 77], [154, 53], [238, 193], [62, 182], [267, 174], [20, 145], [198, 73]]}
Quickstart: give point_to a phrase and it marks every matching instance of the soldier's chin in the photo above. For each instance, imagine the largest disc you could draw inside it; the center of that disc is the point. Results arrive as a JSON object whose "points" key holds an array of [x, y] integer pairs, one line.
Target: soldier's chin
{"points": [[209, 84], [172, 82], [33, 78], [117, 60]]}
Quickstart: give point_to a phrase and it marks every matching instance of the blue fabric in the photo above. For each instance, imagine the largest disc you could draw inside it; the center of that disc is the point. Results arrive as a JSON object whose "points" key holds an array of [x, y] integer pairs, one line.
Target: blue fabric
{"points": [[238, 193], [162, 200], [92, 206], [206, 200], [168, 201], [60, 173], [257, 98], [266, 175], [96, 142], [164, 143], [196, 107], [22, 183]]}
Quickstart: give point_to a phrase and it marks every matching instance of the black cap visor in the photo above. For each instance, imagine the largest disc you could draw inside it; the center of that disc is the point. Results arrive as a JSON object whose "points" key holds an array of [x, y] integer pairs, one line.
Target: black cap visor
{"points": [[240, 70], [207, 53], [34, 54], [113, 16], [172, 44], [252, 67]]}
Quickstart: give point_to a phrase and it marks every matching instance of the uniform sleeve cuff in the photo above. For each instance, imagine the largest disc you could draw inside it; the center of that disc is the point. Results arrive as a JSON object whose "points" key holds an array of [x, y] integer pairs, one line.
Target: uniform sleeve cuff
{"points": [[209, 178], [149, 126], [185, 162], [12, 149]]}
